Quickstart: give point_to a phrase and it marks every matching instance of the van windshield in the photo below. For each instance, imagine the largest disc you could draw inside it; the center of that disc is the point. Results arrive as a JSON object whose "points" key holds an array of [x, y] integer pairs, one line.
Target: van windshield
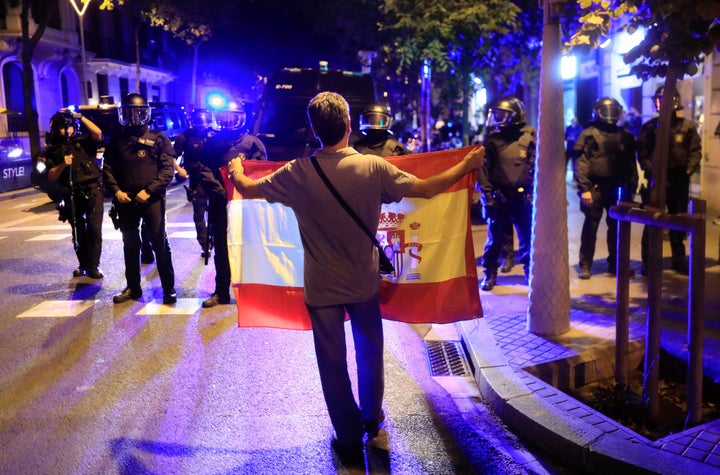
{"points": [[286, 120]]}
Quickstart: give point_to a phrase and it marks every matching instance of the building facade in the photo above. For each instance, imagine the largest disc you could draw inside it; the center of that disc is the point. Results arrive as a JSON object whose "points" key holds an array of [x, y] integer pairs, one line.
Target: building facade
{"points": [[109, 63]]}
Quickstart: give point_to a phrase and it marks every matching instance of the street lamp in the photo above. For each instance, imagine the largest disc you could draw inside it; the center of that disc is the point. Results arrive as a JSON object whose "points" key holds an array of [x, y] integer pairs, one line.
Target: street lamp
{"points": [[80, 10]]}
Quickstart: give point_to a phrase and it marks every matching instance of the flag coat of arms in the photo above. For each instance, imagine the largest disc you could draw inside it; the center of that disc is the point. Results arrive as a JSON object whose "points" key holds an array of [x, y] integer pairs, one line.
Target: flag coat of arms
{"points": [[435, 278]]}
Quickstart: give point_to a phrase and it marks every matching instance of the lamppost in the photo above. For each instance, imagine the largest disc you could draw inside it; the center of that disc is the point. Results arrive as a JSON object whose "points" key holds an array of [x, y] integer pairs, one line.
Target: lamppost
{"points": [[80, 10]]}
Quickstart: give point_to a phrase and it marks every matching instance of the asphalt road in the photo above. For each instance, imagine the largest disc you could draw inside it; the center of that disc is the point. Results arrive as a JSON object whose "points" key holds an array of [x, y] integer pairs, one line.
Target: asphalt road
{"points": [[88, 387]]}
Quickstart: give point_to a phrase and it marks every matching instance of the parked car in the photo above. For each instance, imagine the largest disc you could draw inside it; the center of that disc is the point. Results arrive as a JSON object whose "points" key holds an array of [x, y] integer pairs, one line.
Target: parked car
{"points": [[280, 115]]}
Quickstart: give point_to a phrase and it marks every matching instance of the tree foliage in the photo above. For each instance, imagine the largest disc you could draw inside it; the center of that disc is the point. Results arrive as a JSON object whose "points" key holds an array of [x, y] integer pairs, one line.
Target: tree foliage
{"points": [[679, 33]]}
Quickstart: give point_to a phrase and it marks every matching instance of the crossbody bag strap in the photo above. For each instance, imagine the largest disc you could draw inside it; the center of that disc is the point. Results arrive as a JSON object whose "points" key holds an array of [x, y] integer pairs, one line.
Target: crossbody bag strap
{"points": [[342, 202]]}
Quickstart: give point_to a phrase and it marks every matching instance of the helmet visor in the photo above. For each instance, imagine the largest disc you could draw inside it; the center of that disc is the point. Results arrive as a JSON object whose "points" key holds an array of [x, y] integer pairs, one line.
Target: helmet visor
{"points": [[134, 116], [374, 121], [499, 118], [228, 119], [609, 112], [201, 121]]}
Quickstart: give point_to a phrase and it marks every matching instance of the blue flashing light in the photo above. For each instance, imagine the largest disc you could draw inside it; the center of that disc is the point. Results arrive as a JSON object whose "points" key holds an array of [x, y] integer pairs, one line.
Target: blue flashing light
{"points": [[217, 100]]}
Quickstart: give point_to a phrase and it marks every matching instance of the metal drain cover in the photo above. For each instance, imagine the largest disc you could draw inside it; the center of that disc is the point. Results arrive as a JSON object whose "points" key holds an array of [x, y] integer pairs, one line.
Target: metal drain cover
{"points": [[446, 358]]}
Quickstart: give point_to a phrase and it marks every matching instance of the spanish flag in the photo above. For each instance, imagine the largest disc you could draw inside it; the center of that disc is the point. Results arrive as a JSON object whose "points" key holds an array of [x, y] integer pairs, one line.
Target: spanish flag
{"points": [[435, 279]]}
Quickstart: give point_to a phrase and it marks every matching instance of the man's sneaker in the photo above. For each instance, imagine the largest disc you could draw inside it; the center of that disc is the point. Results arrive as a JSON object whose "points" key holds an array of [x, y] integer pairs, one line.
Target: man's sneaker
{"points": [[127, 294], [351, 454], [215, 300], [372, 426], [95, 273], [79, 272], [169, 297], [489, 282], [584, 272]]}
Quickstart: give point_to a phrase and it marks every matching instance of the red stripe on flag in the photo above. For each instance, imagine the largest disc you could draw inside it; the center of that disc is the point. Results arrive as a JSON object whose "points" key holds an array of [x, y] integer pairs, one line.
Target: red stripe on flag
{"points": [[433, 302], [271, 306]]}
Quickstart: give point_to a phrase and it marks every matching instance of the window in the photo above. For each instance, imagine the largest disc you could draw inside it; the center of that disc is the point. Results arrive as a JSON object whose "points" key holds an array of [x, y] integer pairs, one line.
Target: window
{"points": [[102, 84], [14, 101], [124, 87]]}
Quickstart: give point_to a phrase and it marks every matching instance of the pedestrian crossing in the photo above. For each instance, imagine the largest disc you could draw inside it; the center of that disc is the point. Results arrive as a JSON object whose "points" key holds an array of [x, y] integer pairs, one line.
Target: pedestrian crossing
{"points": [[180, 230], [73, 308]]}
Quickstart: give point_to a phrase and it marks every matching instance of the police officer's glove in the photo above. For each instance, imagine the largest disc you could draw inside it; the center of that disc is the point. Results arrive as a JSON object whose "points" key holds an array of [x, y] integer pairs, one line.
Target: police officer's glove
{"points": [[489, 207]]}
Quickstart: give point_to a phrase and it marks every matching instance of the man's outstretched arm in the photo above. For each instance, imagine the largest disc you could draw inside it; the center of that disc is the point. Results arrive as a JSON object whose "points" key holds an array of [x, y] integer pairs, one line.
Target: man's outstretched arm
{"points": [[431, 186], [244, 184]]}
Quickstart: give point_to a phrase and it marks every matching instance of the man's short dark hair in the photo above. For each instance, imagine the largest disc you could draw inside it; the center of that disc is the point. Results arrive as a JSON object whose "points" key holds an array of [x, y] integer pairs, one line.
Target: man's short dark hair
{"points": [[329, 115]]}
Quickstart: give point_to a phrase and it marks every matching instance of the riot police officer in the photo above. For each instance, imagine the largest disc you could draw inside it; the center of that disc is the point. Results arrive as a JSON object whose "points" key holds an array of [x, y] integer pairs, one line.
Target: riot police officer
{"points": [[605, 170], [377, 138], [229, 141], [137, 170], [683, 161], [506, 181], [70, 158], [189, 145]]}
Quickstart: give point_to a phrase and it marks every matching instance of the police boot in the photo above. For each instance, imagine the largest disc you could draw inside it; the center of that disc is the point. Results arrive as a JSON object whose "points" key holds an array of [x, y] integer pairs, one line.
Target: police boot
{"points": [[507, 264], [680, 265], [489, 281]]}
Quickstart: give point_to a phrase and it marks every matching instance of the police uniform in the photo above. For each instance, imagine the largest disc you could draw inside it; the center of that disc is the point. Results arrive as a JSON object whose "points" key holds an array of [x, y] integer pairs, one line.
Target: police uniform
{"points": [[219, 149], [190, 145], [82, 201], [683, 160], [384, 146], [139, 159], [606, 167], [506, 181]]}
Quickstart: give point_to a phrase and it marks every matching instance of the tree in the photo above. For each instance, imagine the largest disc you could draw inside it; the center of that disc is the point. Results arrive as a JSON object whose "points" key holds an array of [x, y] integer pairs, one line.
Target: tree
{"points": [[458, 36], [40, 12], [189, 23], [679, 34]]}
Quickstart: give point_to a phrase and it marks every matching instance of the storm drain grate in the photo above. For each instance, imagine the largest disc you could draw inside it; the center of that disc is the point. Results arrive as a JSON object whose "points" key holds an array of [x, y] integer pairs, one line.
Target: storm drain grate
{"points": [[446, 358]]}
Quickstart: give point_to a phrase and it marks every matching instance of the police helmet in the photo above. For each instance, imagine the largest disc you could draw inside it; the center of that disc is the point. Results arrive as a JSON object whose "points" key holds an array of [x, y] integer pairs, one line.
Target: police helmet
{"points": [[231, 118], [200, 119], [657, 98], [134, 110], [61, 121], [375, 117], [608, 110], [505, 112]]}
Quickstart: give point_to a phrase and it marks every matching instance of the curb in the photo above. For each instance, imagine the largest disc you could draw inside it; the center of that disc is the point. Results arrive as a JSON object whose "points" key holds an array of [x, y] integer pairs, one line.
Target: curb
{"points": [[557, 423]]}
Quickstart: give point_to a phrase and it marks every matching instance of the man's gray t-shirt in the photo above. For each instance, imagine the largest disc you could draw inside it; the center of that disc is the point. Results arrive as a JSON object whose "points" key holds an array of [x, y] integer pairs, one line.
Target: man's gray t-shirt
{"points": [[341, 263]]}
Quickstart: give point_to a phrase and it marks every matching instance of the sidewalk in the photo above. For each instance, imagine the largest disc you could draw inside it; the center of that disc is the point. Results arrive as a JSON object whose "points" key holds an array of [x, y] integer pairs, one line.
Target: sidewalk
{"points": [[504, 354]]}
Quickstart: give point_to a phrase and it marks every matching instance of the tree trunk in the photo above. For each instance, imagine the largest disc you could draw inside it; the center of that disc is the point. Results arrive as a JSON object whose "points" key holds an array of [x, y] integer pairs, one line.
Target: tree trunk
{"points": [[137, 56], [28, 50], [193, 81], [549, 298]]}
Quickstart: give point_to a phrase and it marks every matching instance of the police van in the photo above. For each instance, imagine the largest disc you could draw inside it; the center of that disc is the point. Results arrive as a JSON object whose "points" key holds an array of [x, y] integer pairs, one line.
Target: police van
{"points": [[280, 117]]}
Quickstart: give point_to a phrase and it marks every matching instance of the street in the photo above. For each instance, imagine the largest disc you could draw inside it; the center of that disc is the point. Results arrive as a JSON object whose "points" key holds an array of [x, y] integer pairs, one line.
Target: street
{"points": [[89, 387]]}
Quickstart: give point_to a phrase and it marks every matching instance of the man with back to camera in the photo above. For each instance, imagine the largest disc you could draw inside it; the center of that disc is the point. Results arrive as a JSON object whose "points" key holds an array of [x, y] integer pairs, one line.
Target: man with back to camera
{"points": [[340, 262], [605, 170], [683, 161], [228, 141], [138, 168], [70, 158]]}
